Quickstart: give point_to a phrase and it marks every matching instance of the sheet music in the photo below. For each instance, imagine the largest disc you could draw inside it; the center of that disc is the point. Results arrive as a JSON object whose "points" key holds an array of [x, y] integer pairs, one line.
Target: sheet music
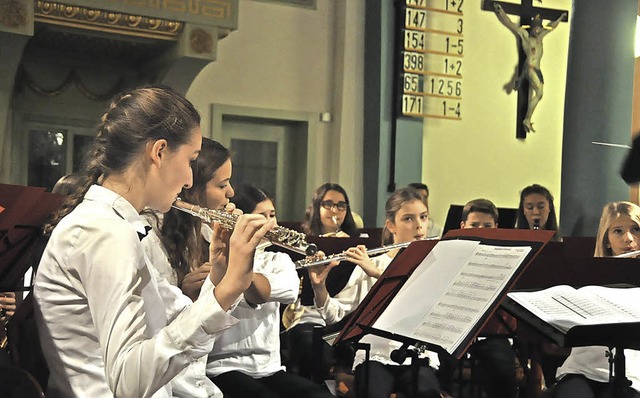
{"points": [[564, 307], [450, 290]]}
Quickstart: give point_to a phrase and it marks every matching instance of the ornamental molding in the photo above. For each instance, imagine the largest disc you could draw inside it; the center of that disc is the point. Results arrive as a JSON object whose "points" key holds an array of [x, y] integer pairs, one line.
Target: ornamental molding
{"points": [[106, 21]]}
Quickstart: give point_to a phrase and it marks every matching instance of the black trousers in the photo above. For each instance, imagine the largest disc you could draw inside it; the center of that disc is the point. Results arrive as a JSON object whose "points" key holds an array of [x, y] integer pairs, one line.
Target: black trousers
{"points": [[301, 357], [497, 359], [386, 379], [495, 363], [578, 386], [236, 384]]}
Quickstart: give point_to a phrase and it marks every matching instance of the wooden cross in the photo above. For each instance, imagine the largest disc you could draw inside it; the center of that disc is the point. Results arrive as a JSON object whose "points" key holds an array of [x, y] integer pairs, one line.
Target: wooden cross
{"points": [[526, 11]]}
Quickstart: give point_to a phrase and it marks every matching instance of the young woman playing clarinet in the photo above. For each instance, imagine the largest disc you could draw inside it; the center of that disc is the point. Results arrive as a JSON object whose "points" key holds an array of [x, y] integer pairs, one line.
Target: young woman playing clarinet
{"points": [[406, 219], [101, 308]]}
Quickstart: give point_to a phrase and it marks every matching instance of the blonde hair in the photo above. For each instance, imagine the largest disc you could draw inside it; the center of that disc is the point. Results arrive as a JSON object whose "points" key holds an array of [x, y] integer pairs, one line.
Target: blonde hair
{"points": [[610, 213]]}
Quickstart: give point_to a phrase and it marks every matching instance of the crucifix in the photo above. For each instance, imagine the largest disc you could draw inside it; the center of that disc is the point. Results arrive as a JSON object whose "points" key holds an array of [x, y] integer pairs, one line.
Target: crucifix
{"points": [[527, 79]]}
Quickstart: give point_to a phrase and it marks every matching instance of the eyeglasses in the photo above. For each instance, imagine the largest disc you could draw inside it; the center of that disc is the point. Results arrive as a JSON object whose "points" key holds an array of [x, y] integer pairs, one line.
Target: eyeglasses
{"points": [[329, 204]]}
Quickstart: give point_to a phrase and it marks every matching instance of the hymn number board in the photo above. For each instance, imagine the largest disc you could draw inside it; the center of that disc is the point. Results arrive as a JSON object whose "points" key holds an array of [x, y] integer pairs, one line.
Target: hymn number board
{"points": [[431, 53]]}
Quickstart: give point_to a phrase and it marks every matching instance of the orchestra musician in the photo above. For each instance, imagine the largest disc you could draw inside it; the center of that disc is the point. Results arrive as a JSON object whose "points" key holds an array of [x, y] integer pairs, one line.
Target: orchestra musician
{"points": [[407, 215], [493, 350], [245, 360], [180, 234], [103, 312], [328, 215], [179, 252], [537, 211], [585, 373]]}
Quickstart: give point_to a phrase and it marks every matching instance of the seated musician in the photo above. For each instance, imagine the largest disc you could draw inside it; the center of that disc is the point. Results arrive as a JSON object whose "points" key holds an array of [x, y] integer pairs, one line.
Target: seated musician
{"points": [[585, 373], [537, 211], [406, 220], [493, 350], [328, 215], [108, 323], [433, 230], [180, 254], [245, 361]]}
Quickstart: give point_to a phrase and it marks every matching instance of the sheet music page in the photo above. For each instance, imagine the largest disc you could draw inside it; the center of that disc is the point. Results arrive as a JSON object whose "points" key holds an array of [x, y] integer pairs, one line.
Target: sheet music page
{"points": [[564, 307], [450, 290]]}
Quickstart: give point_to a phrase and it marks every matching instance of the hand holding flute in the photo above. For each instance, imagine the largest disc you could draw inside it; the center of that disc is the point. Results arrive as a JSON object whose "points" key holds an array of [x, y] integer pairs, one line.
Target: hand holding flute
{"points": [[318, 278], [231, 253], [359, 256]]}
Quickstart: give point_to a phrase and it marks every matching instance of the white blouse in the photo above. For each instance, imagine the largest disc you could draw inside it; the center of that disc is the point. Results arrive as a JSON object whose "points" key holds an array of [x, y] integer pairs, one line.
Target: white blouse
{"points": [[109, 325], [253, 346], [594, 365]]}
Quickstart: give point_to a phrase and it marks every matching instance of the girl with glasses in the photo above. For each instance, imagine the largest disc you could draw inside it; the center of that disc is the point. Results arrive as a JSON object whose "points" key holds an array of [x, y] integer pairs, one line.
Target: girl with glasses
{"points": [[406, 220], [329, 213]]}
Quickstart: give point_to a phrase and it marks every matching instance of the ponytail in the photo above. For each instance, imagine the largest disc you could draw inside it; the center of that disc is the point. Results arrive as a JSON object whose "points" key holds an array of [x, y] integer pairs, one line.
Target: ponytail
{"points": [[132, 120]]}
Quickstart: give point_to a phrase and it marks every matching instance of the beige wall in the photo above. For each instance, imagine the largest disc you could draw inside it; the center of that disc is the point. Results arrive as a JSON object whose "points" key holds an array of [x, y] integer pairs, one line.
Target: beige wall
{"points": [[301, 60], [480, 156], [297, 60]]}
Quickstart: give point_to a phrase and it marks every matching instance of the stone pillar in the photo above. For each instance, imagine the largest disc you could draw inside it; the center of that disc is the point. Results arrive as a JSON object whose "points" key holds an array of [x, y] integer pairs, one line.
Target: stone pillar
{"points": [[16, 27], [597, 108], [195, 49]]}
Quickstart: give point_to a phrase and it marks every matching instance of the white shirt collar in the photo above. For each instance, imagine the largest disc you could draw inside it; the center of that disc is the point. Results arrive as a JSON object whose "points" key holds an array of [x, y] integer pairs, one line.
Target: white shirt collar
{"points": [[120, 205]]}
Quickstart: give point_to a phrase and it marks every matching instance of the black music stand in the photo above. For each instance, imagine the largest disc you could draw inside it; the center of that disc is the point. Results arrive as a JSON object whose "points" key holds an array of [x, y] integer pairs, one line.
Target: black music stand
{"points": [[26, 210], [618, 336], [398, 273]]}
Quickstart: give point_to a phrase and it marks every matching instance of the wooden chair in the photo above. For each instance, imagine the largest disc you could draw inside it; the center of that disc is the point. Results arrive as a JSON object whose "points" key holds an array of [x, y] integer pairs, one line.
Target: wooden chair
{"points": [[18, 383]]}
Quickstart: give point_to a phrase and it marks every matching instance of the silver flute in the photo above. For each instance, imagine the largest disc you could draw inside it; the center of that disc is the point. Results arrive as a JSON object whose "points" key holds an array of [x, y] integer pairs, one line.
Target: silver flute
{"points": [[628, 254], [279, 236], [310, 262]]}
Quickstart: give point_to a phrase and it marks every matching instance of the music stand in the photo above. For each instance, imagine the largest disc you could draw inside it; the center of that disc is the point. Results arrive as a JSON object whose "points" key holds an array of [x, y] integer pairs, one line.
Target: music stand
{"points": [[618, 336], [405, 264], [26, 210]]}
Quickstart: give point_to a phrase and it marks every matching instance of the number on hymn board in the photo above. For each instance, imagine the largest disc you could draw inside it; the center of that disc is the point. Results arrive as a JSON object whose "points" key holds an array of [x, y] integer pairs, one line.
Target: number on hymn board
{"points": [[411, 82], [453, 5], [412, 61], [422, 106], [412, 104], [432, 58], [415, 19], [444, 87], [414, 40]]}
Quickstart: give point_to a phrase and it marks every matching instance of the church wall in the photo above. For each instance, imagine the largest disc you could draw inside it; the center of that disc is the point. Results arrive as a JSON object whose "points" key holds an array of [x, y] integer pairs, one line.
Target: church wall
{"points": [[598, 108], [290, 59], [480, 155]]}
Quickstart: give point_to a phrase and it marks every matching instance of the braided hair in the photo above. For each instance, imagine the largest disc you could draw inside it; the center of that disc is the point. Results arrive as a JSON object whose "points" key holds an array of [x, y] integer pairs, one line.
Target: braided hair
{"points": [[133, 119]]}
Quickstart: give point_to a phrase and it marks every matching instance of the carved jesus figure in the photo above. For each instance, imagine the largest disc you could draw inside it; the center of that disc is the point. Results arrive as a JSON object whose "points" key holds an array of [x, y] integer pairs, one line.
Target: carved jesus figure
{"points": [[531, 41]]}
